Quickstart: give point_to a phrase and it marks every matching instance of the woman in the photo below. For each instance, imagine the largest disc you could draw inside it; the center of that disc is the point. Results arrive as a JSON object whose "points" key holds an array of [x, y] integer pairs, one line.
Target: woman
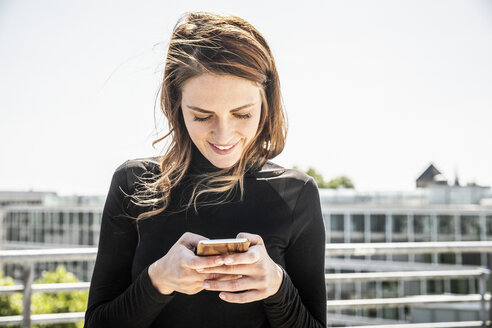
{"points": [[221, 96]]}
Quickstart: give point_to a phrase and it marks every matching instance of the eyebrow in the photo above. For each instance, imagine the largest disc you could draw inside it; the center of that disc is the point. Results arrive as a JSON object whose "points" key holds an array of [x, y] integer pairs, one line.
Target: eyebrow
{"points": [[198, 109]]}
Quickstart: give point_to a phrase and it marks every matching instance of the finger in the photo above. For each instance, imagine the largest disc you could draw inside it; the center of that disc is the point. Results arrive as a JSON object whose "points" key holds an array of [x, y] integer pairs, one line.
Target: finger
{"points": [[225, 277], [190, 239], [199, 263], [233, 285], [241, 269], [217, 276], [253, 255], [245, 297], [254, 239], [192, 288]]}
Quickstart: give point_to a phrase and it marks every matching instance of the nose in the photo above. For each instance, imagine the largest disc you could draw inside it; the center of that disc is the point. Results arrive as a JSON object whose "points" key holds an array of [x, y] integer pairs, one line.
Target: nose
{"points": [[223, 131]]}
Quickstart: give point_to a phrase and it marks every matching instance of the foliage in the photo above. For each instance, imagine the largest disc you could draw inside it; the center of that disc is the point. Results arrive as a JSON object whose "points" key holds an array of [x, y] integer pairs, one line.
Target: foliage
{"points": [[338, 182], [9, 304], [317, 177], [75, 301]]}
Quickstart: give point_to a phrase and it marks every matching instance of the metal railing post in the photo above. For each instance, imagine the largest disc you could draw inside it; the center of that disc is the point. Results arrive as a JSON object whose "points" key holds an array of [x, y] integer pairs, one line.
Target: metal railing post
{"points": [[482, 287], [27, 293], [2, 230], [489, 256]]}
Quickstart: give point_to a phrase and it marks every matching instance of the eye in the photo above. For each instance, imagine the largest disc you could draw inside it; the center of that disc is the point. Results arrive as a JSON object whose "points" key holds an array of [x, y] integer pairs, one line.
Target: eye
{"points": [[200, 119], [243, 116]]}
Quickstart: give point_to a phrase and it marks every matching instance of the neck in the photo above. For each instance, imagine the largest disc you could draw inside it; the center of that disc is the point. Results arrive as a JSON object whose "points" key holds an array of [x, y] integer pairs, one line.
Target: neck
{"points": [[200, 164]]}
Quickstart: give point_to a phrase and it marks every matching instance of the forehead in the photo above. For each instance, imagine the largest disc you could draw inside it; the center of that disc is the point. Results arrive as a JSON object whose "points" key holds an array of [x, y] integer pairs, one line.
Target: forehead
{"points": [[210, 91]]}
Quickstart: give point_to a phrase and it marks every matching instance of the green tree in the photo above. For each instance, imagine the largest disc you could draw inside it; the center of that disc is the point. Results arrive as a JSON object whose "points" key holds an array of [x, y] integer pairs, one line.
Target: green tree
{"points": [[59, 302], [46, 302], [341, 181], [10, 304], [317, 177], [338, 182]]}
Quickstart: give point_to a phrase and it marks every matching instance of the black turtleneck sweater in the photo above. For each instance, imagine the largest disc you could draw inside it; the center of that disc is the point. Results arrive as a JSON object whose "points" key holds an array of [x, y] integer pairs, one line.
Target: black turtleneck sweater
{"points": [[280, 205]]}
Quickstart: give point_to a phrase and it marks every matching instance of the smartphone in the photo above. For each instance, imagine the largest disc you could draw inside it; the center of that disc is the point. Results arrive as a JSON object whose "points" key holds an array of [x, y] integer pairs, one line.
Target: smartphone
{"points": [[222, 246]]}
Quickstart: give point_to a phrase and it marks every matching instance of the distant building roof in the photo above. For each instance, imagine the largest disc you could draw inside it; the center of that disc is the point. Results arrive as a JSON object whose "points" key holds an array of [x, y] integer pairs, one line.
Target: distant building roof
{"points": [[23, 197], [47, 198], [431, 176]]}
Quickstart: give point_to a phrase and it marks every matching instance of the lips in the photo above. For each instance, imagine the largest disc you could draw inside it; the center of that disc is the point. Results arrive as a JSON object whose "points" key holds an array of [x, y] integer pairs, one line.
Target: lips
{"points": [[223, 149]]}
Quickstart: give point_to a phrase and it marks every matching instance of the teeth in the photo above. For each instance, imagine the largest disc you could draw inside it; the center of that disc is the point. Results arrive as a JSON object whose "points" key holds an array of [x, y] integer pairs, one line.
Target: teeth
{"points": [[223, 148]]}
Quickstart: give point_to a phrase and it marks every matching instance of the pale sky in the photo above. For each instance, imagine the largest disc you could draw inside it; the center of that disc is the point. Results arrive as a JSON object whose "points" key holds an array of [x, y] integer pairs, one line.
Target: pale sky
{"points": [[375, 90]]}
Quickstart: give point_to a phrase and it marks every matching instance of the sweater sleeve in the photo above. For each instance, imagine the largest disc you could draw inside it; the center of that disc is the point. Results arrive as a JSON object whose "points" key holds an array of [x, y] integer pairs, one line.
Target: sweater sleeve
{"points": [[301, 299], [114, 299]]}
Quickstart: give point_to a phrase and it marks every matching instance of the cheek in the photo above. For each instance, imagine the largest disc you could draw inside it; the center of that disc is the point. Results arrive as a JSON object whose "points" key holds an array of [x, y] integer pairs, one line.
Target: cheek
{"points": [[197, 130], [194, 129], [252, 127]]}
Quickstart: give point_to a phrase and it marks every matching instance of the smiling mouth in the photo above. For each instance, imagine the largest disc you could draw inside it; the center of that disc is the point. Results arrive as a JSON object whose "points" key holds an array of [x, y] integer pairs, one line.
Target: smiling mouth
{"points": [[223, 148]]}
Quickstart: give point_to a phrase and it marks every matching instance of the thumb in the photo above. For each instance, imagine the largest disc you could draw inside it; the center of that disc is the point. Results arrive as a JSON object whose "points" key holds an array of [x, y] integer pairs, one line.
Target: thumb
{"points": [[190, 240], [254, 239]]}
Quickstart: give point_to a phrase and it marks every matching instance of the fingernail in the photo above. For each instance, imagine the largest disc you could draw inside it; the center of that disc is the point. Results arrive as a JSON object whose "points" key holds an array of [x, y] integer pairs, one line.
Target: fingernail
{"points": [[219, 261], [222, 296], [228, 260], [206, 284]]}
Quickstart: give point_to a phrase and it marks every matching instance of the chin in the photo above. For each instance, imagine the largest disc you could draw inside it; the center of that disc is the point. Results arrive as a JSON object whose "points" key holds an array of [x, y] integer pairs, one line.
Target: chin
{"points": [[224, 164], [224, 161]]}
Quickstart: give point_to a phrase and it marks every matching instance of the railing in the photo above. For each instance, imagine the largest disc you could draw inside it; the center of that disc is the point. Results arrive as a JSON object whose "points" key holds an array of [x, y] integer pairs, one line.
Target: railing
{"points": [[28, 257], [451, 272]]}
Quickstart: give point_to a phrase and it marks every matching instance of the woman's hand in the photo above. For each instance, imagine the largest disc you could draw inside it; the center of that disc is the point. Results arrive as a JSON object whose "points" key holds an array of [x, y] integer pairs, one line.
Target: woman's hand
{"points": [[178, 269], [260, 276]]}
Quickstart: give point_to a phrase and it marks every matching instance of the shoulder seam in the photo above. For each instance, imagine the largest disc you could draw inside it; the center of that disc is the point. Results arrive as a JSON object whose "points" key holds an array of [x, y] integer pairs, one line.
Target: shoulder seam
{"points": [[127, 177], [295, 207]]}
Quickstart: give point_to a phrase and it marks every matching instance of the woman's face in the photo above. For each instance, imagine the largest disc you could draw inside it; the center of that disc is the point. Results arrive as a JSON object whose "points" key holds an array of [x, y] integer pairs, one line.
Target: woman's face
{"points": [[221, 114]]}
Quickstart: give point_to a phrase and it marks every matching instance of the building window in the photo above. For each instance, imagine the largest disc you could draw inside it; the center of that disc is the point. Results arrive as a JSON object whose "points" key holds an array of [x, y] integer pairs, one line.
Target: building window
{"points": [[422, 227], [470, 227], [378, 223], [336, 222], [488, 225], [400, 228], [445, 227]]}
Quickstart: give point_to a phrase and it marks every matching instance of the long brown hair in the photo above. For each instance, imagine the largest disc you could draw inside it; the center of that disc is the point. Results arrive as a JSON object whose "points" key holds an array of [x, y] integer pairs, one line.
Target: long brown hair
{"points": [[204, 42]]}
